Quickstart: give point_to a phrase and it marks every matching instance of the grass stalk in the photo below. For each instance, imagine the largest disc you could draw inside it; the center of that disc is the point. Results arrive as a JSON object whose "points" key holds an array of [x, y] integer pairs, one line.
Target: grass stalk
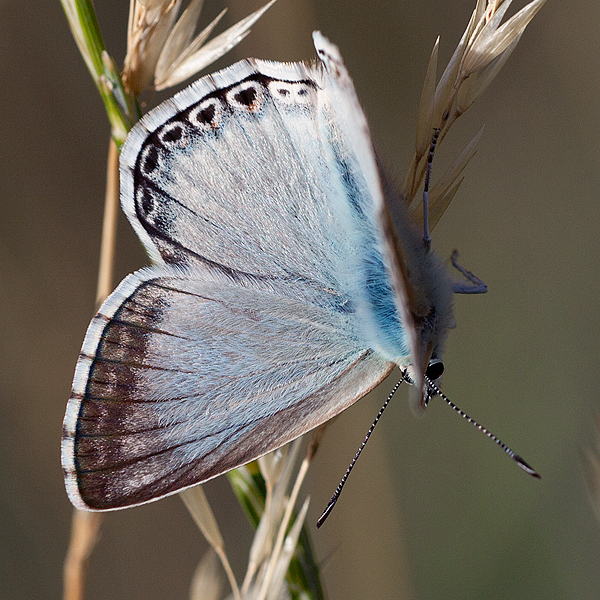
{"points": [[85, 526]]}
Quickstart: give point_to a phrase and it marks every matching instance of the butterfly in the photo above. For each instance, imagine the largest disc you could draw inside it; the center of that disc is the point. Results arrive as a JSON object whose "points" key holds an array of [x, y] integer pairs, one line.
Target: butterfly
{"points": [[288, 280]]}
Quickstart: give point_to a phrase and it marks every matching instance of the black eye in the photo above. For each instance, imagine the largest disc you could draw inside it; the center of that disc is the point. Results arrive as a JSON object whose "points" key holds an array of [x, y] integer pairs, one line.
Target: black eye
{"points": [[435, 369]]}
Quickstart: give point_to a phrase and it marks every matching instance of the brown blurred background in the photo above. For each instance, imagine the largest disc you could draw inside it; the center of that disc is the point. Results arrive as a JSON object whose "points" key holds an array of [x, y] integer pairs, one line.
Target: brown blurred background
{"points": [[433, 509]]}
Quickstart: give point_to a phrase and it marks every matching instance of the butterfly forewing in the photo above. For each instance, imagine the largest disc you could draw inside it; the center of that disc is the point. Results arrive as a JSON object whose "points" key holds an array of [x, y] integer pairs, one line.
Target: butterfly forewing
{"points": [[239, 179]]}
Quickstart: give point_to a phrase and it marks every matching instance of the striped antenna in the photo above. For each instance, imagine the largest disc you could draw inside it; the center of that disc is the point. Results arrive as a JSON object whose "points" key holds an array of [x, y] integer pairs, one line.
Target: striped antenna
{"points": [[426, 236], [437, 392], [338, 491]]}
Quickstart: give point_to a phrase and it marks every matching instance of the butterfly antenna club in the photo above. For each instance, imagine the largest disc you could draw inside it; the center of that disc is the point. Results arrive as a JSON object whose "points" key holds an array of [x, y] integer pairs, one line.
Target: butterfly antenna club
{"points": [[433, 390], [338, 491]]}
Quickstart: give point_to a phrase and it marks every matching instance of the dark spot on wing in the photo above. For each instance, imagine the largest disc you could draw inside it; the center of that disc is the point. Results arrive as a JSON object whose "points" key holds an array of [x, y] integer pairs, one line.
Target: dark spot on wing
{"points": [[147, 201], [247, 97], [207, 114], [173, 134], [150, 160]]}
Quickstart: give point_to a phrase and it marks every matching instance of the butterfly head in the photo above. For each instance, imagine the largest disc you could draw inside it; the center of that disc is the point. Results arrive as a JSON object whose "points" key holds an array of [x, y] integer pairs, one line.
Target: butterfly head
{"points": [[431, 317], [420, 395]]}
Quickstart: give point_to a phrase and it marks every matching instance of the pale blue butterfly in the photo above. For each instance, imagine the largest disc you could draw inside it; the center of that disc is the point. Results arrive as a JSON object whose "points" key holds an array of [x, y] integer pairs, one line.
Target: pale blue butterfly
{"points": [[287, 283]]}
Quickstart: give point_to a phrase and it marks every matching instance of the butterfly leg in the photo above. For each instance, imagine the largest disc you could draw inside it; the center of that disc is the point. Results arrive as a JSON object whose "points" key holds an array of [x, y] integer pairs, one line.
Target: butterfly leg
{"points": [[475, 285]]}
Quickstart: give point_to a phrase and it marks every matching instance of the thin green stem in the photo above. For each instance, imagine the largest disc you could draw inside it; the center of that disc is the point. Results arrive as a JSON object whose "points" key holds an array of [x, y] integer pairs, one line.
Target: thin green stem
{"points": [[121, 107]]}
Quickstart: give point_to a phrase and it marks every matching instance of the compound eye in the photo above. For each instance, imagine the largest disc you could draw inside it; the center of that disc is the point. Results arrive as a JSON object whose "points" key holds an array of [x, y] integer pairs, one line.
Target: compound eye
{"points": [[435, 369]]}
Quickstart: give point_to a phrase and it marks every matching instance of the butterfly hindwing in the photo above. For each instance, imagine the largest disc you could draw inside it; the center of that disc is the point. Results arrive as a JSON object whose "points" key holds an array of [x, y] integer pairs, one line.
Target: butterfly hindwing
{"points": [[173, 393]]}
